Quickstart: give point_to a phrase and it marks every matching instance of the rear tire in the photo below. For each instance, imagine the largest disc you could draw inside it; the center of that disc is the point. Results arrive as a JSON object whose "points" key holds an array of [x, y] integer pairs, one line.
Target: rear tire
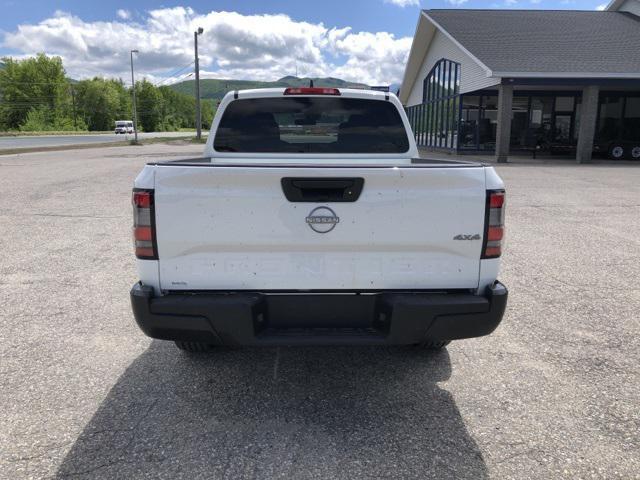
{"points": [[194, 347], [635, 152], [435, 344]]}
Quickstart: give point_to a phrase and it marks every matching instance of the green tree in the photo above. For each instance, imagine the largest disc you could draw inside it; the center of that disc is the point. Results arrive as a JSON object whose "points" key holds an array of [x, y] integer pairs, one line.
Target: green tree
{"points": [[177, 109], [124, 96], [101, 102], [36, 95], [149, 106], [40, 119], [208, 111], [37, 82]]}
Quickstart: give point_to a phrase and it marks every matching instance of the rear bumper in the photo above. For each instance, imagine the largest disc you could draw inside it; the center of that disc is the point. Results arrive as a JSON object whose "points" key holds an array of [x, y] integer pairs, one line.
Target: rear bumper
{"points": [[254, 318]]}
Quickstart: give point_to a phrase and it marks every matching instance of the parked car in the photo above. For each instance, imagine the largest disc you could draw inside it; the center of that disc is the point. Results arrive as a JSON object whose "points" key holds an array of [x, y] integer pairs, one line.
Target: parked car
{"points": [[331, 233], [124, 126]]}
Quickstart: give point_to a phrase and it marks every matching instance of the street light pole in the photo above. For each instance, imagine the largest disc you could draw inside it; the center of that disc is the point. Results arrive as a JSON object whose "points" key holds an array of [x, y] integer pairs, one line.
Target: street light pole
{"points": [[197, 64], [133, 89]]}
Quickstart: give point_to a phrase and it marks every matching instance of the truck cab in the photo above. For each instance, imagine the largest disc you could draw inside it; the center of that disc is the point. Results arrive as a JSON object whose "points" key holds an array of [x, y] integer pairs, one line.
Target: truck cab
{"points": [[311, 219]]}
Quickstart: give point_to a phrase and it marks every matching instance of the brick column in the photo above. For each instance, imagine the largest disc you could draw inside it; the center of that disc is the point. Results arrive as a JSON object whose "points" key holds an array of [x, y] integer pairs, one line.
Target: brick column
{"points": [[503, 132], [588, 117]]}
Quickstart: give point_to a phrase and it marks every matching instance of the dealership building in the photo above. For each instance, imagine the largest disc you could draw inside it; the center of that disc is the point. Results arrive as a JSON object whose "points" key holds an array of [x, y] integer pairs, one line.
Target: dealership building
{"points": [[527, 81]]}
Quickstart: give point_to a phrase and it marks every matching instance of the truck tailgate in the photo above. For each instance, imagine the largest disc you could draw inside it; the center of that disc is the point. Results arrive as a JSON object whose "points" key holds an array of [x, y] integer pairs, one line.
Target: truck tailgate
{"points": [[227, 227]]}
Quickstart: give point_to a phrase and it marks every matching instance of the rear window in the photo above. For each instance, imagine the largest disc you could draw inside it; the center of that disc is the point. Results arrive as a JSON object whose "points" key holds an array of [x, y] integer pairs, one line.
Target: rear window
{"points": [[311, 125]]}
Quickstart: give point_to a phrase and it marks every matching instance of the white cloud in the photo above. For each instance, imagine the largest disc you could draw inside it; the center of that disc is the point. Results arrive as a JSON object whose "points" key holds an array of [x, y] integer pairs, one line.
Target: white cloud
{"points": [[373, 58], [404, 3], [457, 3], [264, 47], [123, 14], [601, 7], [510, 3], [536, 2]]}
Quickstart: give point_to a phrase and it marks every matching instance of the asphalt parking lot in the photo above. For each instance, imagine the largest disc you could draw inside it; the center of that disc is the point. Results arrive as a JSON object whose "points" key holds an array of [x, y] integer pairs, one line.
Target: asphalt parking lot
{"points": [[553, 393]]}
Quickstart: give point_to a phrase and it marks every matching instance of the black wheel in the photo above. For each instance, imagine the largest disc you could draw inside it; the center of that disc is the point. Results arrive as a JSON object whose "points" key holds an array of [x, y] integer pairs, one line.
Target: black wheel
{"points": [[616, 151], [635, 152], [194, 347], [435, 344]]}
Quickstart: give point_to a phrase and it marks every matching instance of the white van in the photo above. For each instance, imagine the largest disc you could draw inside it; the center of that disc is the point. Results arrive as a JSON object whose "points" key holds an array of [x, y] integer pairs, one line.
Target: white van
{"points": [[124, 126]]}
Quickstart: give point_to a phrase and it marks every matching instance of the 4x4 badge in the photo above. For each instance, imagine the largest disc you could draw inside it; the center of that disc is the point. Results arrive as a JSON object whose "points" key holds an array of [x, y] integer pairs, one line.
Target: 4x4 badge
{"points": [[467, 237]]}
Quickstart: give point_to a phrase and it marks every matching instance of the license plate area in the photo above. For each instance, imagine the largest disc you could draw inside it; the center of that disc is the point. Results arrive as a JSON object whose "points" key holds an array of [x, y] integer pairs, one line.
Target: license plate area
{"points": [[347, 312]]}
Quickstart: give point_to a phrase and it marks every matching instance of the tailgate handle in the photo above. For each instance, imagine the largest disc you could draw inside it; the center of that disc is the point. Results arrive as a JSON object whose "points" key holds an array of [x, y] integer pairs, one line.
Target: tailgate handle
{"points": [[322, 189]]}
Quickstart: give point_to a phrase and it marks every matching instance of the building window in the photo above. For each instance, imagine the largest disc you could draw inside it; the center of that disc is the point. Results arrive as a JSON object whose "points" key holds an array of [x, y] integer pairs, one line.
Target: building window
{"points": [[478, 121], [435, 121], [540, 121], [610, 118], [488, 122], [631, 127], [618, 119], [469, 121]]}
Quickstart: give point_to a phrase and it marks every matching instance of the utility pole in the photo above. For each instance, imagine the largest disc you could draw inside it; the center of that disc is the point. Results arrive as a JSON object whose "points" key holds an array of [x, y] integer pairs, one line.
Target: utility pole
{"points": [[197, 63], [133, 89]]}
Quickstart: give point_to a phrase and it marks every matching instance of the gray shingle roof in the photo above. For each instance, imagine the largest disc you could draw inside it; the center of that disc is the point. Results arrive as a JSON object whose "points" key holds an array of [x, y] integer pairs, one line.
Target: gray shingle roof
{"points": [[547, 41]]}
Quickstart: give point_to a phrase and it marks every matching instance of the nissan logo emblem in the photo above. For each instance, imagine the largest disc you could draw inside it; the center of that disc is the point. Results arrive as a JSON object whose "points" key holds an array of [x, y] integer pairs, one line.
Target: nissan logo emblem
{"points": [[322, 220]]}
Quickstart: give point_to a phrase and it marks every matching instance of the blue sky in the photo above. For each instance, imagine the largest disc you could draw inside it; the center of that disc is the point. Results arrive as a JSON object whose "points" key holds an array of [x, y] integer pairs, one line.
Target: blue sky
{"points": [[360, 40]]}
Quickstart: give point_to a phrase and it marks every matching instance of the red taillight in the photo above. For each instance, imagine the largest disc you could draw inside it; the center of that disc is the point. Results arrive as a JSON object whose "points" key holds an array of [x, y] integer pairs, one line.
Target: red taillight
{"points": [[495, 234], [144, 234], [142, 198], [311, 91], [496, 200], [494, 224]]}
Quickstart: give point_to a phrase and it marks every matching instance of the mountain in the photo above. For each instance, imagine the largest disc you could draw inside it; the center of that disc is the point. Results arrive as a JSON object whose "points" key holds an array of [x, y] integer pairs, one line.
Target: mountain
{"points": [[217, 88]]}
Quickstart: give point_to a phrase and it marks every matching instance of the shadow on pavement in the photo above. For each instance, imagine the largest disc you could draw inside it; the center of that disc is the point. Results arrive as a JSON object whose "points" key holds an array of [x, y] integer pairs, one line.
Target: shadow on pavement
{"points": [[289, 412]]}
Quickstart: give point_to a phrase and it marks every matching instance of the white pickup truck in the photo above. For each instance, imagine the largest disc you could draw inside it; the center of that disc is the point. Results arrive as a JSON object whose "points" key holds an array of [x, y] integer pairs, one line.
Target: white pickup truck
{"points": [[311, 219]]}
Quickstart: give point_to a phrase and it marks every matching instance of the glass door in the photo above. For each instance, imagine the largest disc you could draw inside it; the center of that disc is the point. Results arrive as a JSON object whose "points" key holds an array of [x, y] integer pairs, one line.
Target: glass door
{"points": [[563, 117], [562, 128]]}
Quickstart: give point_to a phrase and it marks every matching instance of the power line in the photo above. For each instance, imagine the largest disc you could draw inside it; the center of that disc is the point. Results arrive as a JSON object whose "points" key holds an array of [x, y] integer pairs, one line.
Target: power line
{"points": [[179, 69], [55, 83], [175, 74], [179, 79], [22, 82]]}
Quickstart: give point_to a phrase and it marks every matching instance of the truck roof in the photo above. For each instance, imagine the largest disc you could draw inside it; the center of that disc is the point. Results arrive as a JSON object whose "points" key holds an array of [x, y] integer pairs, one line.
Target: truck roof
{"points": [[278, 92]]}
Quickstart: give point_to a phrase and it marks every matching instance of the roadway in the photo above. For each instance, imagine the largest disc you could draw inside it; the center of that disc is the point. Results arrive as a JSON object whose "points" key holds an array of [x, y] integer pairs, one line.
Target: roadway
{"points": [[64, 140]]}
